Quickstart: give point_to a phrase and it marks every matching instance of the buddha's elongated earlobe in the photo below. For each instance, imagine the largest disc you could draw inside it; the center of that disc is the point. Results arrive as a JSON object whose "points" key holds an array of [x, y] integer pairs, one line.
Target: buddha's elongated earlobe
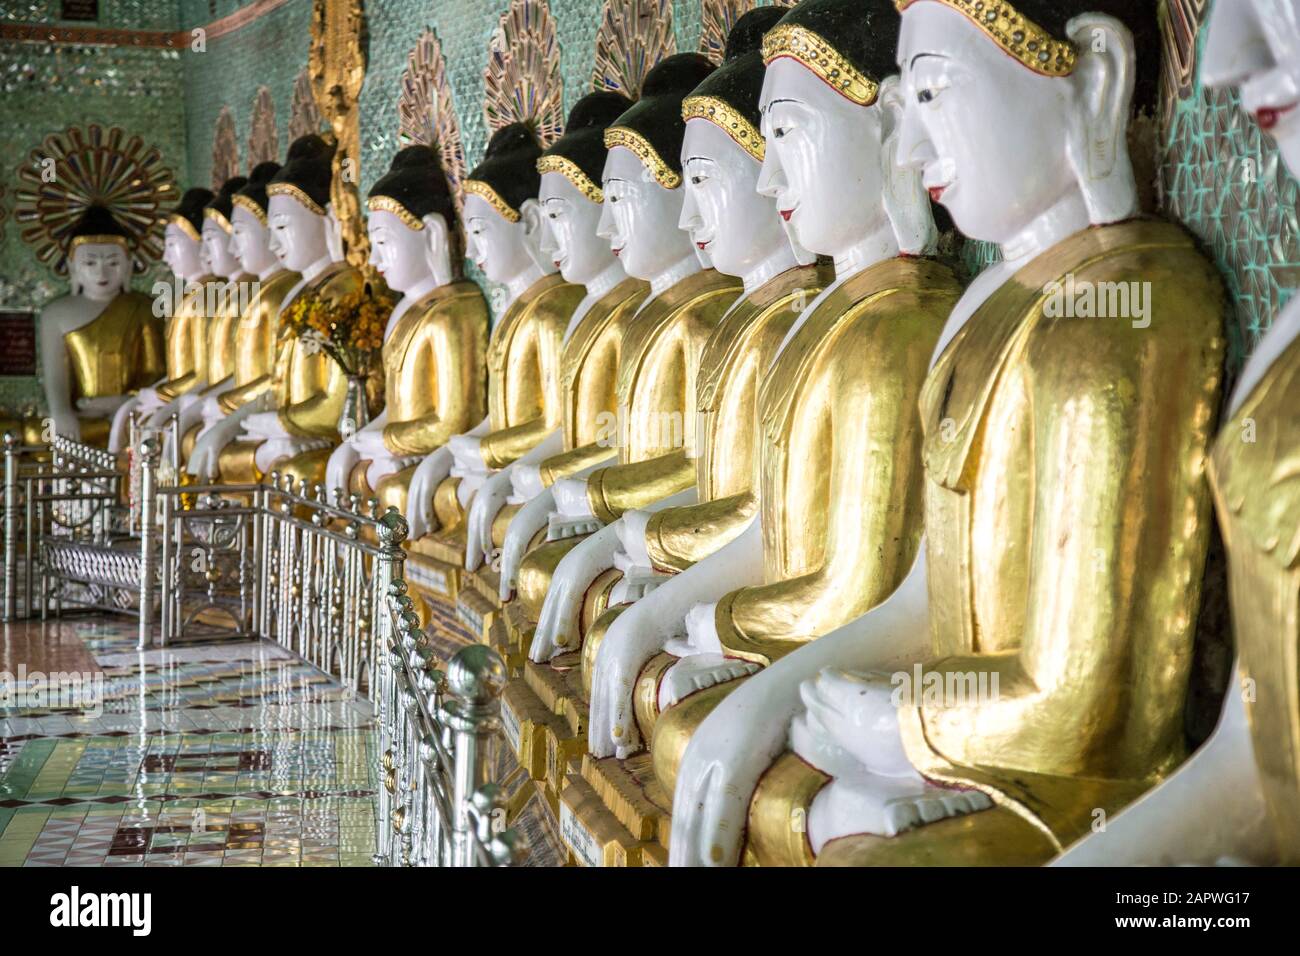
{"points": [[1102, 82], [439, 248], [906, 202], [530, 216]]}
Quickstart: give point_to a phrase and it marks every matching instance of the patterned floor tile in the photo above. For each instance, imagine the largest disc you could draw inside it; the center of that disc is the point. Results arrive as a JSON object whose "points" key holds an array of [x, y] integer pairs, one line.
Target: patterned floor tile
{"points": [[231, 754]]}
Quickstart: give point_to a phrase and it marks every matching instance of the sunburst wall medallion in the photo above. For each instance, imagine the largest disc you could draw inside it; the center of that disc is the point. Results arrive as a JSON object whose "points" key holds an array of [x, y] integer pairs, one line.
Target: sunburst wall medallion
{"points": [[263, 139], [225, 149], [717, 17], [634, 35], [425, 111], [522, 81], [79, 168], [304, 114]]}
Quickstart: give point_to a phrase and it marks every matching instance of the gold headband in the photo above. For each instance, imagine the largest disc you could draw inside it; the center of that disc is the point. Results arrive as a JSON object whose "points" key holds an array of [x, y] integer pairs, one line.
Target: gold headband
{"points": [[476, 187], [573, 173], [97, 239], [217, 216], [389, 204], [289, 189], [252, 206], [724, 116], [184, 225], [633, 141], [817, 54], [1015, 33]]}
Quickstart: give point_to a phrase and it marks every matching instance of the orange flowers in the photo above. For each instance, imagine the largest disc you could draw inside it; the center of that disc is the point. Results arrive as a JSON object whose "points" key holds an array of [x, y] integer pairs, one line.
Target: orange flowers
{"points": [[350, 329]]}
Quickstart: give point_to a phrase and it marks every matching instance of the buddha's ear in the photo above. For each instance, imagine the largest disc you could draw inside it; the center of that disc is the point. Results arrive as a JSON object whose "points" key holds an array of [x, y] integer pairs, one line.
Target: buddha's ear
{"points": [[530, 218], [1097, 144], [438, 247], [906, 202]]}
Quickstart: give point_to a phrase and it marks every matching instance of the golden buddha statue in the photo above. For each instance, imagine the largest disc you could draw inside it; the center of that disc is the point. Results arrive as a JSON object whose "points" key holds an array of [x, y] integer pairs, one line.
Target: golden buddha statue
{"points": [[840, 520], [974, 717], [1237, 799], [434, 346], [660, 361], [296, 426], [255, 333], [503, 227], [188, 303], [571, 203], [101, 341]]}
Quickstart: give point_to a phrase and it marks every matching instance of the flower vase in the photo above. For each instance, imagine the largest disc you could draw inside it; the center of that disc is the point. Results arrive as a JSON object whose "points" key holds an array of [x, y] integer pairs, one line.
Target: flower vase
{"points": [[356, 407]]}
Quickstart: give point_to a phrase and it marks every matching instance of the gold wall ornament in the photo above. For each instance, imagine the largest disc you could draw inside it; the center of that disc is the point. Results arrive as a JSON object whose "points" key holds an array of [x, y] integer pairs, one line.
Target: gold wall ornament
{"points": [[633, 36], [338, 69], [522, 82], [83, 167], [1021, 37], [426, 115], [225, 149], [263, 138], [819, 55], [304, 114], [722, 115]]}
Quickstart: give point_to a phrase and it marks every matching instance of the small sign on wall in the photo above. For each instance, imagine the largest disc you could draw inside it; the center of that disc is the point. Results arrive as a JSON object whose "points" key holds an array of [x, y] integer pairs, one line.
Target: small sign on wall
{"points": [[80, 10], [17, 343]]}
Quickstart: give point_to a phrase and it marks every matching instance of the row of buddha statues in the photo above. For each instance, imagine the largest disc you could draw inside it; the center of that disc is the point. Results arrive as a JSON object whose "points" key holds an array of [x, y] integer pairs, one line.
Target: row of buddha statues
{"points": [[743, 451]]}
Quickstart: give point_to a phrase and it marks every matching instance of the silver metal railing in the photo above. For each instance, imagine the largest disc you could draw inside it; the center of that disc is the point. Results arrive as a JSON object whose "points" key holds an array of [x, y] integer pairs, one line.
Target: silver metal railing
{"points": [[272, 561], [438, 733]]}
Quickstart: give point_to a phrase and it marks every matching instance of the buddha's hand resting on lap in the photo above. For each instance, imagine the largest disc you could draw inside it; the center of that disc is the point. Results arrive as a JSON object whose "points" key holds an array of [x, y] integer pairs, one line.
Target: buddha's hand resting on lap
{"points": [[424, 482], [483, 510], [571, 499], [557, 625], [261, 425], [467, 455]]}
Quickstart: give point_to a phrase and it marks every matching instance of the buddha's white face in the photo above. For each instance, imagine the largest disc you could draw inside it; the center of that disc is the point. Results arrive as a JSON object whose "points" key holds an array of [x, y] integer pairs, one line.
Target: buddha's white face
{"points": [[990, 135], [182, 254], [216, 254], [1255, 45], [639, 217], [822, 163], [99, 270], [297, 234], [569, 237], [249, 242], [494, 244], [723, 212], [400, 253]]}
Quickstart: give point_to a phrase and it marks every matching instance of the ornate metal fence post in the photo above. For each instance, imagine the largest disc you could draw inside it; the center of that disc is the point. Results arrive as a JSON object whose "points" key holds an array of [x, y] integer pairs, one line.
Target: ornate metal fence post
{"points": [[475, 680], [11, 526], [149, 454], [386, 601]]}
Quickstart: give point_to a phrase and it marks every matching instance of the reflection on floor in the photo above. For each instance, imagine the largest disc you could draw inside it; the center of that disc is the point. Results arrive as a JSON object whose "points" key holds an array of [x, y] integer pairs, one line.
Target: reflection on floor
{"points": [[206, 755]]}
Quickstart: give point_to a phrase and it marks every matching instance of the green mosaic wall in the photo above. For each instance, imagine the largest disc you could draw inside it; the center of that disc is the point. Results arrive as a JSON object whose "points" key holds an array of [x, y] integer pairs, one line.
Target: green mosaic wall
{"points": [[44, 89]]}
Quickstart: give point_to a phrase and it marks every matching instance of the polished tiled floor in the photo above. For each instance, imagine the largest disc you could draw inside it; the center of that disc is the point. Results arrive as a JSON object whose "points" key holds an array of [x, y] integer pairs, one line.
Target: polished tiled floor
{"points": [[208, 755]]}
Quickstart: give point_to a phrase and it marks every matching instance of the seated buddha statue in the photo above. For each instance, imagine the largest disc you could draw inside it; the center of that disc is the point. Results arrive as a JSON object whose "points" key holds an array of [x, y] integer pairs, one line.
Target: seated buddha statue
{"points": [[187, 328], [223, 312], [295, 426], [436, 336], [1032, 668], [256, 332], [659, 363], [571, 203], [503, 231], [833, 523], [101, 341], [1237, 799]]}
